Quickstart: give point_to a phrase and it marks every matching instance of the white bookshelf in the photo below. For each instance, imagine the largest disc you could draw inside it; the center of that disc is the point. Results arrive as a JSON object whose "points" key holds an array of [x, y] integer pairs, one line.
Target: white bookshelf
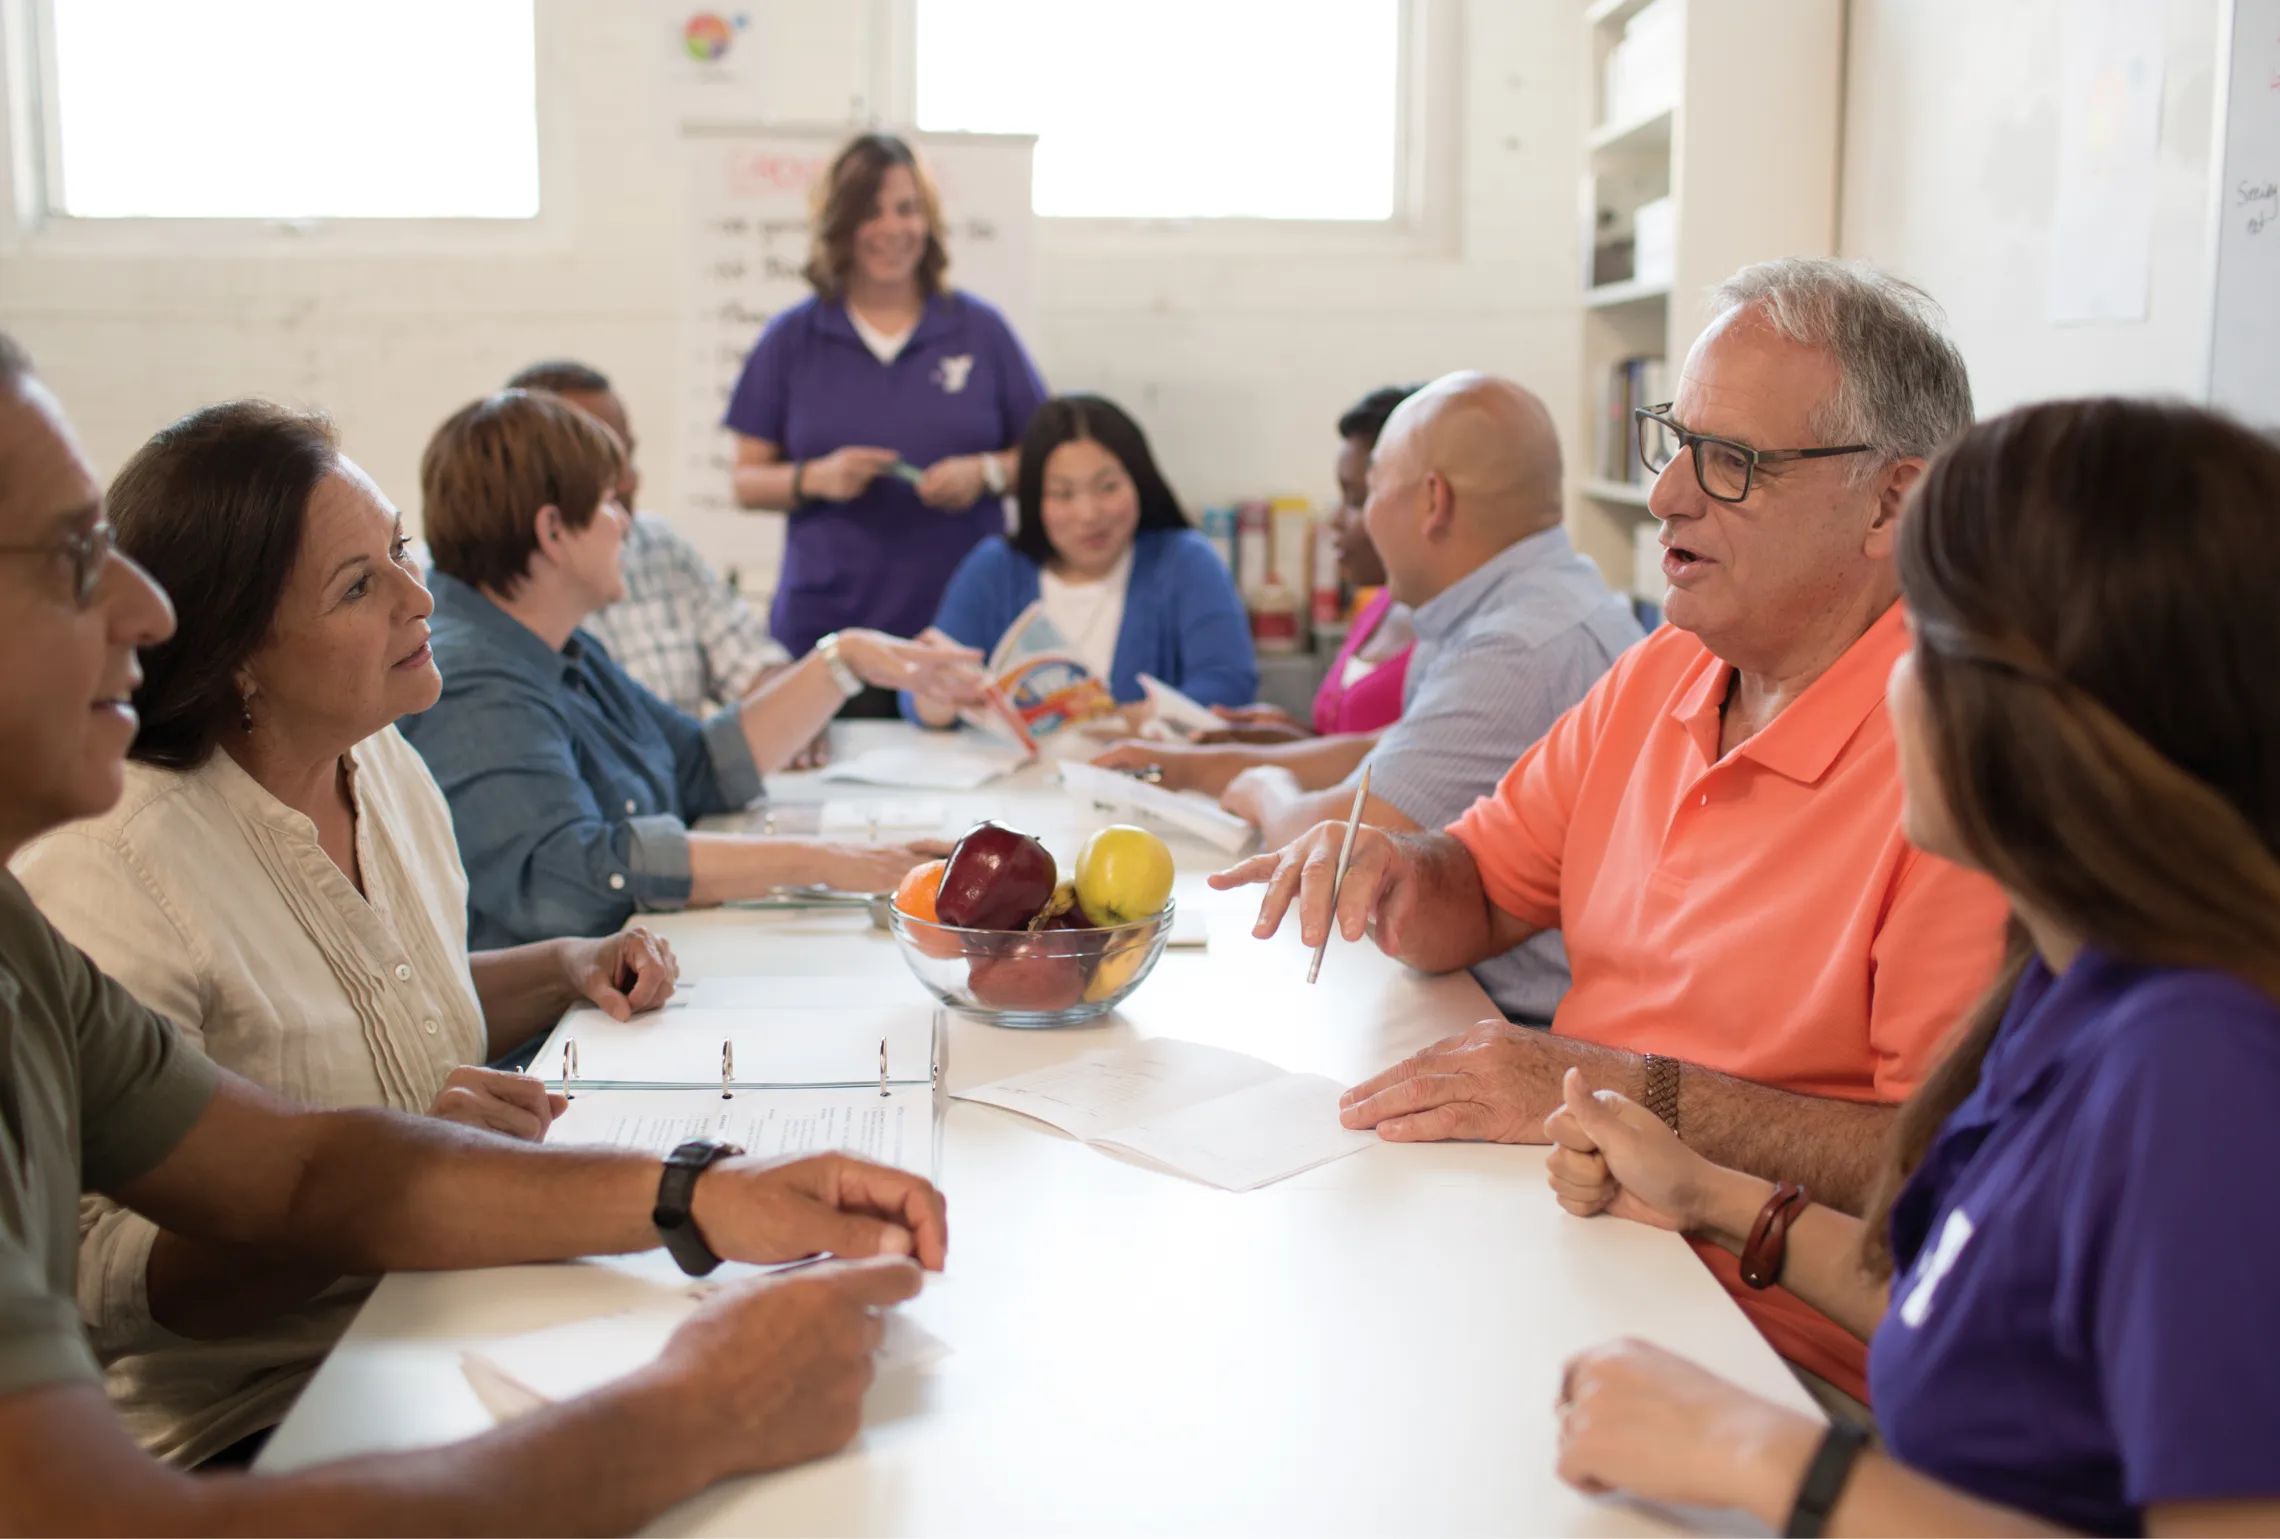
{"points": [[1746, 150]]}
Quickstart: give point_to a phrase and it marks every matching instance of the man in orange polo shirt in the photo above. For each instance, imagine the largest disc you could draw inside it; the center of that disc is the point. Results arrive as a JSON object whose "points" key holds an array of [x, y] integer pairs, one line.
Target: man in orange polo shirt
{"points": [[1759, 955]]}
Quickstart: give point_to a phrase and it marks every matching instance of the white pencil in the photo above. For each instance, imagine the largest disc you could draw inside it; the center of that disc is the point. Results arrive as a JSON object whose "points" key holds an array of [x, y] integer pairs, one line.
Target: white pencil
{"points": [[1345, 853]]}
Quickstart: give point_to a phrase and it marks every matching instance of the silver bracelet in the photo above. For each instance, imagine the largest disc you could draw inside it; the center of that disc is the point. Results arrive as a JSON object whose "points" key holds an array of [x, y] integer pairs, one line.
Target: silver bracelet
{"points": [[849, 682]]}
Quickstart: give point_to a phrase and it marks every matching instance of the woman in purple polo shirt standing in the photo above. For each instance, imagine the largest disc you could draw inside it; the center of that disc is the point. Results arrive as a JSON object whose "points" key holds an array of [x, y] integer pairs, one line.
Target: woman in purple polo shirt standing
{"points": [[2068, 1280], [879, 414]]}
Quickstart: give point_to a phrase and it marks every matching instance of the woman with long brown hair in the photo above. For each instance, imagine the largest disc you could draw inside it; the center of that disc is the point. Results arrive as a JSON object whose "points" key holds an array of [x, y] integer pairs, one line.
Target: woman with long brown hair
{"points": [[881, 413], [2069, 1271]]}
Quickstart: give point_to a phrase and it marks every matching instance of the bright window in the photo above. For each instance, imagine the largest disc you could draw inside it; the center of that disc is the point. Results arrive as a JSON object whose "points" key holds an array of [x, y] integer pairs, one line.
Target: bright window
{"points": [[293, 109], [1178, 109]]}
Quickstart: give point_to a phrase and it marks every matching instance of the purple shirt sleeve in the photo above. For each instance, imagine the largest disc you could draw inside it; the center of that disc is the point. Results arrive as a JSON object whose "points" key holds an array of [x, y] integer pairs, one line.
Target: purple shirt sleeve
{"points": [[2182, 1266], [758, 406], [1021, 390]]}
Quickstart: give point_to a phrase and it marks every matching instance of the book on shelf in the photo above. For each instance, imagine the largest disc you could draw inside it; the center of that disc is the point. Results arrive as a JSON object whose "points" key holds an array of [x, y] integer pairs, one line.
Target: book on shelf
{"points": [[1630, 383]]}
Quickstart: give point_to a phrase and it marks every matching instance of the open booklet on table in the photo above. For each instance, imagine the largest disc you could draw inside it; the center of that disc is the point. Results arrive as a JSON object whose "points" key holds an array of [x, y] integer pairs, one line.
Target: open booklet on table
{"points": [[1217, 1116]]}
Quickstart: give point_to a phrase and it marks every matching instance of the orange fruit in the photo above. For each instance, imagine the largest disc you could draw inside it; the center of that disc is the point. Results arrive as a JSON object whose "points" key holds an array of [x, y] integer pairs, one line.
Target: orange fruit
{"points": [[915, 898]]}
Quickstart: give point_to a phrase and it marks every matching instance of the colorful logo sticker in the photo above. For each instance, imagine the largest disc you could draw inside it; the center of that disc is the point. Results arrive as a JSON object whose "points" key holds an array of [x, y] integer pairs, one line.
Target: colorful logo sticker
{"points": [[707, 35]]}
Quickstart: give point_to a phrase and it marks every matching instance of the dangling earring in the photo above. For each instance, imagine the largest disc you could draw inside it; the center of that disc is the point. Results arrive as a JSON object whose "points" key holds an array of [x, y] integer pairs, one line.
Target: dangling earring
{"points": [[245, 712]]}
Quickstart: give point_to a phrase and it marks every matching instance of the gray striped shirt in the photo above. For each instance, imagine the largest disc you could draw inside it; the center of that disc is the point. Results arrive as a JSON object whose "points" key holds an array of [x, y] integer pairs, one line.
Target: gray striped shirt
{"points": [[1500, 655]]}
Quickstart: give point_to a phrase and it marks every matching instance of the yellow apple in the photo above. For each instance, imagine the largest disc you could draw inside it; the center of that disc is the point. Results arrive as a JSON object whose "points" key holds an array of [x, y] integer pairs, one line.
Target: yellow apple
{"points": [[1123, 873]]}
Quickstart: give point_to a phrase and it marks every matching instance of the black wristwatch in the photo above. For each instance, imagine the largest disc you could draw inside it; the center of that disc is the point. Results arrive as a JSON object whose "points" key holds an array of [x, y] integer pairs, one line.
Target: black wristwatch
{"points": [[1824, 1480], [675, 1188]]}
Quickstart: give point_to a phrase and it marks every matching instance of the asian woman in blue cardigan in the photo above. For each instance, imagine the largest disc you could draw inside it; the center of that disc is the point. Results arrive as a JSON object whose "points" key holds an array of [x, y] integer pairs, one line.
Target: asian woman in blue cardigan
{"points": [[1103, 542]]}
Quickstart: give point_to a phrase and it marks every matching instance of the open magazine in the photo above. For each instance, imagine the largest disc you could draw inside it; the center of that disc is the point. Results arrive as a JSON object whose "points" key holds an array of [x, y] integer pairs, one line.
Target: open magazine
{"points": [[1038, 683]]}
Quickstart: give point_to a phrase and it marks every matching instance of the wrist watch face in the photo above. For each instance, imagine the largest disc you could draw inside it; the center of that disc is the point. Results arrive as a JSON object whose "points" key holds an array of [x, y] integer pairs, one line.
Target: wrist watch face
{"points": [[675, 1226]]}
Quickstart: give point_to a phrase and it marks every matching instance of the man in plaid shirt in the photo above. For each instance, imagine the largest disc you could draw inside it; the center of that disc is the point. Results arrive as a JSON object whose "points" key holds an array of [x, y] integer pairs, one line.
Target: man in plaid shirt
{"points": [[680, 630]]}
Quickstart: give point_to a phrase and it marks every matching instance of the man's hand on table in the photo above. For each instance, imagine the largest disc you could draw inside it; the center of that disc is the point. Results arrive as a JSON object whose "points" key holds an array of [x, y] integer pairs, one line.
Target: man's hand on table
{"points": [[785, 1209], [1377, 898], [1254, 724], [1497, 1083], [772, 1370]]}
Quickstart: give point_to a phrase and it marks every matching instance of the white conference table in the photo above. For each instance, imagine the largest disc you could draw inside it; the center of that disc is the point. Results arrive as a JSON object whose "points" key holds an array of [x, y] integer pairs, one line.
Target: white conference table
{"points": [[1371, 1346]]}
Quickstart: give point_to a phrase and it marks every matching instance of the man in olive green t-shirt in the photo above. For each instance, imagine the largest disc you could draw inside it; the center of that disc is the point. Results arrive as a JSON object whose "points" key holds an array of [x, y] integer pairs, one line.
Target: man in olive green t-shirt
{"points": [[97, 1094]]}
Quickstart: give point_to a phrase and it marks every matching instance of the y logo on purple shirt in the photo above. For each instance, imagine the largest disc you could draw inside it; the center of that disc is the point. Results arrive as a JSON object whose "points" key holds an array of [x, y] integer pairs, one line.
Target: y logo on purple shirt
{"points": [[950, 371], [1953, 1238]]}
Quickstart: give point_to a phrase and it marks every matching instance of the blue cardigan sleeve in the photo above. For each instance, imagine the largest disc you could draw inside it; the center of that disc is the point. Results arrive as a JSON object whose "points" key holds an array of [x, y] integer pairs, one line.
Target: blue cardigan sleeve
{"points": [[1217, 665], [983, 597]]}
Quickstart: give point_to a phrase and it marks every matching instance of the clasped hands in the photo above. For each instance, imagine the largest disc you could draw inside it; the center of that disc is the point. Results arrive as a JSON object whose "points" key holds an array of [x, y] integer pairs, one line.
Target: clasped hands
{"points": [[1633, 1416], [951, 485]]}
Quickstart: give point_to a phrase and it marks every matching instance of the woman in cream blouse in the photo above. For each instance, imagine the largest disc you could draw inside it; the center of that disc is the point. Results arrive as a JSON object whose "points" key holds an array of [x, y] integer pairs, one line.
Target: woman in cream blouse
{"points": [[280, 880]]}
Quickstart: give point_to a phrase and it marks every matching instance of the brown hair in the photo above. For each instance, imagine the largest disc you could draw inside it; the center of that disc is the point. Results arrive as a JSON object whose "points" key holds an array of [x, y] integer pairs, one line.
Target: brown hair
{"points": [[2092, 588], [213, 508], [844, 200], [493, 464]]}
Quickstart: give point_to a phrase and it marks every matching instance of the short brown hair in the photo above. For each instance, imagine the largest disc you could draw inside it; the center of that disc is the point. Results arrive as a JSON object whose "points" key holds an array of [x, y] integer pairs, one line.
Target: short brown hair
{"points": [[213, 508], [845, 198], [493, 465]]}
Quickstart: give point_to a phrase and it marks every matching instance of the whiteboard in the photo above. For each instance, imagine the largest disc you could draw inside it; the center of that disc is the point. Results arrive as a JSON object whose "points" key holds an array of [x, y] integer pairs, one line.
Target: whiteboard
{"points": [[749, 213], [2244, 328]]}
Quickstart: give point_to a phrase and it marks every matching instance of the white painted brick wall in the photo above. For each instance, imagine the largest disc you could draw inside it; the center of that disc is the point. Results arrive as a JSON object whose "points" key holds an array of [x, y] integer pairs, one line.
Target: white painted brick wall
{"points": [[1237, 364]]}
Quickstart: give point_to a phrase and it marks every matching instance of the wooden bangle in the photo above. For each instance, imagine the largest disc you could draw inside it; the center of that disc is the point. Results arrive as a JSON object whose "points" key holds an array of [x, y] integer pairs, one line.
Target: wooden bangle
{"points": [[1768, 1244]]}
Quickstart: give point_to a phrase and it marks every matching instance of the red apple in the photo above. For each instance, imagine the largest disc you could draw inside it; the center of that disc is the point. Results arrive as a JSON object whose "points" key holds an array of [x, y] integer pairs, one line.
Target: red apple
{"points": [[1037, 974], [996, 879]]}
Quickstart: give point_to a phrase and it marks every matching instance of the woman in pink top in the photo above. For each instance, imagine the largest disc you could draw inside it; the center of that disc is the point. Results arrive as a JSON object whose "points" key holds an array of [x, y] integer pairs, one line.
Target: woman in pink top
{"points": [[1362, 690]]}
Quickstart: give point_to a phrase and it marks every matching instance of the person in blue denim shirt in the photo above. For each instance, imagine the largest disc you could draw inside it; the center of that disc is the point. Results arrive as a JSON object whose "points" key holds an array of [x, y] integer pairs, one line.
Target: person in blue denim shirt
{"points": [[2068, 1272], [571, 787]]}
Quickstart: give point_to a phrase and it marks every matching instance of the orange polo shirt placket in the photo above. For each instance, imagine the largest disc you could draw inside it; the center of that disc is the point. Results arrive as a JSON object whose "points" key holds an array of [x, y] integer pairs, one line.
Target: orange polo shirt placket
{"points": [[1760, 915]]}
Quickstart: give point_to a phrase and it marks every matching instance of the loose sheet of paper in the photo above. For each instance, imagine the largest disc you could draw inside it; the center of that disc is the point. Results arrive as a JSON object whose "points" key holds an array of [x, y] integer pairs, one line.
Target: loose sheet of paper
{"points": [[965, 767], [894, 1129], [897, 817], [1177, 710], [681, 1043], [1226, 1118], [1188, 811], [518, 1374]]}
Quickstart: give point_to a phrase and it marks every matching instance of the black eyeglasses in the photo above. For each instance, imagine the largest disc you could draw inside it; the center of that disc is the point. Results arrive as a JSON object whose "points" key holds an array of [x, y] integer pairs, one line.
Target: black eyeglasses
{"points": [[1723, 468], [88, 551]]}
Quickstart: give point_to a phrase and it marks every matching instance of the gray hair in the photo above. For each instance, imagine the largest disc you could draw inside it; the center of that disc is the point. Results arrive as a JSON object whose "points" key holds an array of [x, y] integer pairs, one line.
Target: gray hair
{"points": [[1901, 384]]}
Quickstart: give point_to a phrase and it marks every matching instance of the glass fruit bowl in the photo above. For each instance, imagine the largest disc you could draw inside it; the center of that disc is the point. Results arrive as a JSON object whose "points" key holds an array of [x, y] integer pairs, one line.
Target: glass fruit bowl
{"points": [[1031, 978]]}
